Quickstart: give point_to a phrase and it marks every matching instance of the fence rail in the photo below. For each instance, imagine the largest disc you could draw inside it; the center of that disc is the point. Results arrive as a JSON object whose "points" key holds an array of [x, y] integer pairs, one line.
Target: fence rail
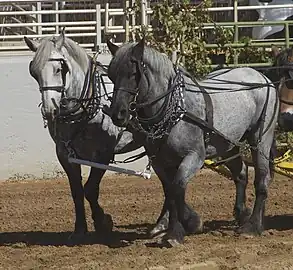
{"points": [[89, 25]]}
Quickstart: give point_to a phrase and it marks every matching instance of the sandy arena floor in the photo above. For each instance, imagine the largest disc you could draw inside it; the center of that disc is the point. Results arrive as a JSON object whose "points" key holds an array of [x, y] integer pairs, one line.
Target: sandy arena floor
{"points": [[36, 218]]}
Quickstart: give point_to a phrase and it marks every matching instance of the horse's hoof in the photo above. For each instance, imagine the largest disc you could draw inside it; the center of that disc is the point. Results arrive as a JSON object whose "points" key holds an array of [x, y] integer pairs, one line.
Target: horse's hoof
{"points": [[193, 225], [250, 229], [167, 242], [174, 237], [244, 216], [157, 230], [159, 235], [106, 226]]}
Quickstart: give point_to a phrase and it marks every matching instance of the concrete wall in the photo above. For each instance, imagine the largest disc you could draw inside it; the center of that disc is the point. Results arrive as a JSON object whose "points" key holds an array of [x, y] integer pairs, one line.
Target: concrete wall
{"points": [[26, 149]]}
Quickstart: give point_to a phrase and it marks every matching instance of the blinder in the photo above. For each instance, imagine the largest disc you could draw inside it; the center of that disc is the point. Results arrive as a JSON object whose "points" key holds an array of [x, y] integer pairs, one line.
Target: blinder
{"points": [[57, 88], [141, 68], [30, 70]]}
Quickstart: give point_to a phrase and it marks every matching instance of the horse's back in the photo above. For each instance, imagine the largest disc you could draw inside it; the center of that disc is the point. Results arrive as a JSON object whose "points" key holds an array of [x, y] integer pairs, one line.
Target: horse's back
{"points": [[238, 98]]}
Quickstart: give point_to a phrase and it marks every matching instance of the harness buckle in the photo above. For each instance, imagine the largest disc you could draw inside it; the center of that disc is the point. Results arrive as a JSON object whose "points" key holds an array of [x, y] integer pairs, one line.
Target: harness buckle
{"points": [[132, 105], [147, 171]]}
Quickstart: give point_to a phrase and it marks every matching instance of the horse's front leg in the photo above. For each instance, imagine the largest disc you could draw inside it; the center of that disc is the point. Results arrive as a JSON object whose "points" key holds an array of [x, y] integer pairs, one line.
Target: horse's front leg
{"points": [[163, 219], [182, 218], [102, 222], [73, 172]]}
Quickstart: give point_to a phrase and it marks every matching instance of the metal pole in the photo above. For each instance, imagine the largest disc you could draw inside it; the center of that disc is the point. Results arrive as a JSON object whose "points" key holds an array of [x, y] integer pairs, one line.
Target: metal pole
{"points": [[62, 17], [236, 32], [106, 17], [126, 19], [133, 22], [146, 174], [39, 17], [287, 36], [143, 13], [35, 29], [57, 17], [98, 27]]}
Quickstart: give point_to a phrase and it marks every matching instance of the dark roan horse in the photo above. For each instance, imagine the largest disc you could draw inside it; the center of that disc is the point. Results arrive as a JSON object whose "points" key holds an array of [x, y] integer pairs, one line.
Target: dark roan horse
{"points": [[181, 121], [282, 73], [71, 106]]}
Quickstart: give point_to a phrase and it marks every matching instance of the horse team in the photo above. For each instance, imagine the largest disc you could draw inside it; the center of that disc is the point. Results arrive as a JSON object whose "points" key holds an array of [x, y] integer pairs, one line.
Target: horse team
{"points": [[178, 119]]}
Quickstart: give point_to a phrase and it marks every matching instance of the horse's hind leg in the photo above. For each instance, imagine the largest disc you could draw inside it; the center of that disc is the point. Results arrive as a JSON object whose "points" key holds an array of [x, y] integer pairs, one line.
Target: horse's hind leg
{"points": [[262, 166], [102, 222], [239, 171], [73, 172]]}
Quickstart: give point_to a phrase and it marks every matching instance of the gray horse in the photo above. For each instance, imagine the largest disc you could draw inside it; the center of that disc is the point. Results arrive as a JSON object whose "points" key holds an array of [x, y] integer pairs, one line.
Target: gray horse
{"points": [[71, 107], [181, 121]]}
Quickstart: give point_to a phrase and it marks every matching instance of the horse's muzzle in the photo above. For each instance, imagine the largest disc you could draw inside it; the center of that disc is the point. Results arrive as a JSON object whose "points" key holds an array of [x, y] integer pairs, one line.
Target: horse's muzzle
{"points": [[120, 118], [286, 122]]}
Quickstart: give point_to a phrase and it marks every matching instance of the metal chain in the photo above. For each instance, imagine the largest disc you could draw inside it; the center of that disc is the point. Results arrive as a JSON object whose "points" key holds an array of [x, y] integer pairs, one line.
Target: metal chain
{"points": [[172, 115]]}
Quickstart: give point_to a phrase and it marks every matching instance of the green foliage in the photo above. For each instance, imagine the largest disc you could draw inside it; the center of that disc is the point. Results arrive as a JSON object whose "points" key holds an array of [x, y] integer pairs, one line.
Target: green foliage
{"points": [[178, 26]]}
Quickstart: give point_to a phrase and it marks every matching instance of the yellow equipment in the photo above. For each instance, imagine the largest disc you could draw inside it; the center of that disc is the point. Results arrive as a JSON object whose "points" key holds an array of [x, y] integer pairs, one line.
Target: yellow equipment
{"points": [[283, 164]]}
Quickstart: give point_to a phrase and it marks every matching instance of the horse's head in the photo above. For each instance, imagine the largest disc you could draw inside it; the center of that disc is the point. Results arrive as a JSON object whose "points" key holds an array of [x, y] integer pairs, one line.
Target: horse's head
{"points": [[284, 74], [137, 72], [57, 72]]}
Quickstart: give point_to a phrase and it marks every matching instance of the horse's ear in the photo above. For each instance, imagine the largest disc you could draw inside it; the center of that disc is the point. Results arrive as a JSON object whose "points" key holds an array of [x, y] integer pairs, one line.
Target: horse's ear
{"points": [[138, 49], [275, 51], [112, 47], [60, 40], [63, 31], [33, 45]]}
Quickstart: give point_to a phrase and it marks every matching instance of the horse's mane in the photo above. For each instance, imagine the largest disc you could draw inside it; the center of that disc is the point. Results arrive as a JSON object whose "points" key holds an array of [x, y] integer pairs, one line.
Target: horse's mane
{"points": [[48, 44], [154, 60]]}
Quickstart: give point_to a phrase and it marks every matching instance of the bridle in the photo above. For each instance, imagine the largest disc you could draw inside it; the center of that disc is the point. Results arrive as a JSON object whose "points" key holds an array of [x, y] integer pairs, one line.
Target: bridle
{"points": [[134, 106], [86, 105], [170, 111]]}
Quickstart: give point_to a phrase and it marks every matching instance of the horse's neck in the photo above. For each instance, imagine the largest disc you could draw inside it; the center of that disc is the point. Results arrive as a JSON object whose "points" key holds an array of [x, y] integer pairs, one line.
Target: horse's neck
{"points": [[78, 77], [158, 88]]}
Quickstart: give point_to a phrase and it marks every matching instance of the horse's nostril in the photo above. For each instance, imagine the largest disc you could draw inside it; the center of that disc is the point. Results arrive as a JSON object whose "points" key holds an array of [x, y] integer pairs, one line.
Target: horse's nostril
{"points": [[122, 114], [64, 103]]}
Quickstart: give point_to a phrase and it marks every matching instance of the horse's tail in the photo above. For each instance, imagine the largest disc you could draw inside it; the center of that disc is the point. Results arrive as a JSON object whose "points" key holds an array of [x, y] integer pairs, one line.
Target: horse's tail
{"points": [[273, 155]]}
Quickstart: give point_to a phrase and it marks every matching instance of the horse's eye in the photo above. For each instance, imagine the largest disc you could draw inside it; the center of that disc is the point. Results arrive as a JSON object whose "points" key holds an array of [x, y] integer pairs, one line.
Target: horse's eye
{"points": [[58, 70]]}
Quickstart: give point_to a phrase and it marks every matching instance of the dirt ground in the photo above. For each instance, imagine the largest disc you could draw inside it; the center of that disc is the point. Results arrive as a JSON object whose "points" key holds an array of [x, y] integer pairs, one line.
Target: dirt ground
{"points": [[36, 218]]}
